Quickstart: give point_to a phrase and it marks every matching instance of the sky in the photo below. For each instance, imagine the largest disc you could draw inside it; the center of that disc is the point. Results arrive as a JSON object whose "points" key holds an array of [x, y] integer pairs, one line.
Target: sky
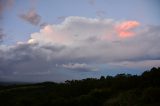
{"points": [[58, 40]]}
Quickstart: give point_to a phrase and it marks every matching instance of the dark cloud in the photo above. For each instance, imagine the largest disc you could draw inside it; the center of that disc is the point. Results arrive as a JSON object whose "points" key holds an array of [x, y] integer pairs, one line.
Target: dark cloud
{"points": [[33, 61], [31, 16]]}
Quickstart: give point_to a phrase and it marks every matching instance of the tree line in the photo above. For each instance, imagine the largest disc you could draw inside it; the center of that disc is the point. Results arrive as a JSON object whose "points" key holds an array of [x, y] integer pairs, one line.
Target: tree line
{"points": [[120, 90]]}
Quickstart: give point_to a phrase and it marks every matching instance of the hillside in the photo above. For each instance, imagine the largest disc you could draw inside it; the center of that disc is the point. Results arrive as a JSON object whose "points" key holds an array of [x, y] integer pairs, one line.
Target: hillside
{"points": [[121, 90]]}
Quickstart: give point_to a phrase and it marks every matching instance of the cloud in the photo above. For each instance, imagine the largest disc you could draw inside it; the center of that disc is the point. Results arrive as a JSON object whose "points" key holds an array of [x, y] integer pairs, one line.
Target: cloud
{"points": [[71, 30], [124, 29], [83, 36], [79, 66], [77, 44], [31, 16]]}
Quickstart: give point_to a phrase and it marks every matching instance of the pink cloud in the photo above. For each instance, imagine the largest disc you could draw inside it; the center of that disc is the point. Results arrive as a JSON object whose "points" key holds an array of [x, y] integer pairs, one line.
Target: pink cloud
{"points": [[50, 34], [53, 35], [124, 29]]}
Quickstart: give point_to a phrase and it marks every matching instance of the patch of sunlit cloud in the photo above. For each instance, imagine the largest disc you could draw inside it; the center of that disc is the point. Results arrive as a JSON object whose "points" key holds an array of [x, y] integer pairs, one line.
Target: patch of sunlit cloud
{"points": [[125, 29]]}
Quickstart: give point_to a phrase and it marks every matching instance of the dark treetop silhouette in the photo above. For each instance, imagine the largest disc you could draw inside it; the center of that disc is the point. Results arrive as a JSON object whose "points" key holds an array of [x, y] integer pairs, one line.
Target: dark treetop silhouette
{"points": [[120, 90]]}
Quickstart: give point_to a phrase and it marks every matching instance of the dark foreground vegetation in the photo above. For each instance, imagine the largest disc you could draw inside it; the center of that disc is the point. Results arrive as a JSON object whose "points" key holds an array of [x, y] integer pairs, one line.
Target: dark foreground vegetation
{"points": [[121, 90]]}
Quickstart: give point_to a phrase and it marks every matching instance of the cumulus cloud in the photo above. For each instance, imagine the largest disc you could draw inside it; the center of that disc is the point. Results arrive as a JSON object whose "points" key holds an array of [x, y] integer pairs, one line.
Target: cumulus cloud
{"points": [[31, 16], [73, 29], [78, 43]]}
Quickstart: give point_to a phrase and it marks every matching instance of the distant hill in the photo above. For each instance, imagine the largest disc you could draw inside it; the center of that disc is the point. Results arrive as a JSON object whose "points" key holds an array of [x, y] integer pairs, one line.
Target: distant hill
{"points": [[121, 90], [4, 83]]}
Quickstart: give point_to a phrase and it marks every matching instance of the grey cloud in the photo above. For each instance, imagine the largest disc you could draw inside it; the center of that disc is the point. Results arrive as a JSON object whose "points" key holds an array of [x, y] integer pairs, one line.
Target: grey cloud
{"points": [[24, 59], [32, 61], [31, 16]]}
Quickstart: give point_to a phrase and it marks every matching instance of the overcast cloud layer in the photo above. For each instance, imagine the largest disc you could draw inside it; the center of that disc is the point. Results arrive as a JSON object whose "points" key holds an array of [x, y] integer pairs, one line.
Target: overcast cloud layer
{"points": [[76, 45]]}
